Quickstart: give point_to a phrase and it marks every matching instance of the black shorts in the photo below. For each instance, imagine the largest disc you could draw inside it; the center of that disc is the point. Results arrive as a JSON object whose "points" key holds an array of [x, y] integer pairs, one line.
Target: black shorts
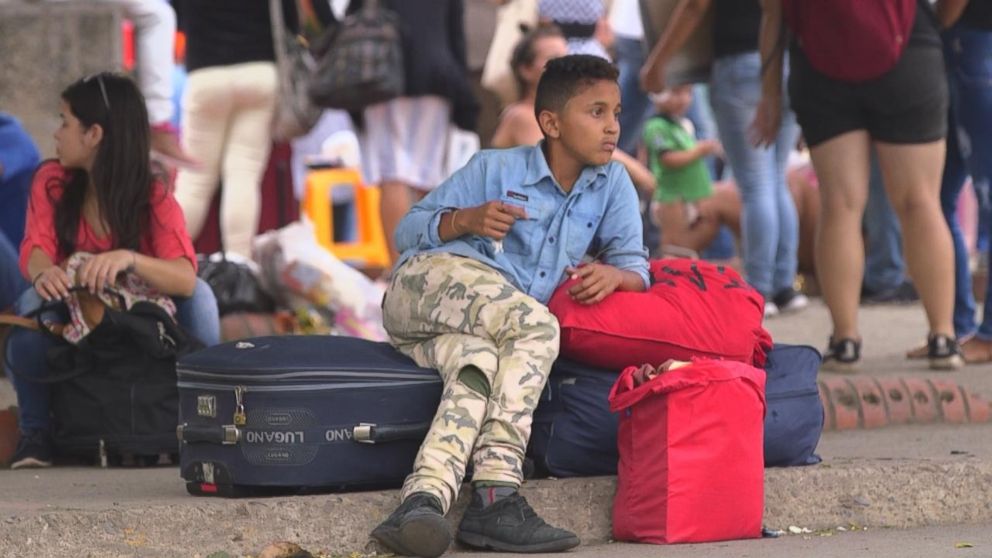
{"points": [[907, 104]]}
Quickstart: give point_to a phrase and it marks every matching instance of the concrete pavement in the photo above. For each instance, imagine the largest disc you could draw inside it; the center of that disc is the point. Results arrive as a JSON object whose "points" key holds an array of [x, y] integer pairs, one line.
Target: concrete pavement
{"points": [[957, 541], [908, 477]]}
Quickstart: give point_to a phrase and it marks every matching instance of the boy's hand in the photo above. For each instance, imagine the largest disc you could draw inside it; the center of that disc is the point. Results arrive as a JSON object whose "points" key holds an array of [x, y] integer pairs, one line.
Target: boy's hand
{"points": [[597, 281], [492, 219]]}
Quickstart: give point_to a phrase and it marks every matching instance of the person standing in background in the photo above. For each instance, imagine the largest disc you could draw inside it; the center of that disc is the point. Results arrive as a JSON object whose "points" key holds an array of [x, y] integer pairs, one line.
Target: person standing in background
{"points": [[967, 40], [155, 29], [769, 223], [628, 44], [892, 104], [404, 139], [228, 107], [583, 23]]}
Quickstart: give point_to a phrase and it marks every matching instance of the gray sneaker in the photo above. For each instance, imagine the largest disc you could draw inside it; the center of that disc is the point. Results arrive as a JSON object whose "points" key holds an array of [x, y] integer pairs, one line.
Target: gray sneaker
{"points": [[416, 528], [511, 525]]}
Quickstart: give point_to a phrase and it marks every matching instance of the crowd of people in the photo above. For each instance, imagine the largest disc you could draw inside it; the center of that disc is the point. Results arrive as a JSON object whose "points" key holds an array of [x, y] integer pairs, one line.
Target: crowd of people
{"points": [[510, 225]]}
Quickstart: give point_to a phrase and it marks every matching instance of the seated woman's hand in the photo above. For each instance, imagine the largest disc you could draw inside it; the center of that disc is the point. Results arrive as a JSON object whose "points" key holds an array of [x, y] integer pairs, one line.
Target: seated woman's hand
{"points": [[52, 283], [597, 281], [101, 270]]}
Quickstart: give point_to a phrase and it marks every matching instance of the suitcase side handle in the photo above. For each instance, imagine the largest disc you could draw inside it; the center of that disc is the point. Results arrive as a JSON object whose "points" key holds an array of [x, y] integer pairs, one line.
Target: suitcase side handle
{"points": [[225, 434], [367, 433]]}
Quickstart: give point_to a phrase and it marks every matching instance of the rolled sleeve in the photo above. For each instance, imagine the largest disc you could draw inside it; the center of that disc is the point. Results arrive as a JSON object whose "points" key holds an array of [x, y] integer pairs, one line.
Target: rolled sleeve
{"points": [[418, 230], [39, 227]]}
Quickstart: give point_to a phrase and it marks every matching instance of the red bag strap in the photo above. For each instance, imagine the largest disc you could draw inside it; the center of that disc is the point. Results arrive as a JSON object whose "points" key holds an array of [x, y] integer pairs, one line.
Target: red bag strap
{"points": [[626, 393]]}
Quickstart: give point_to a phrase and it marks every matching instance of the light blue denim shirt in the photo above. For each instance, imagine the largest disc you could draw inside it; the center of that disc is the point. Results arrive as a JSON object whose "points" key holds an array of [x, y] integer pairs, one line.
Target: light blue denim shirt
{"points": [[599, 216]]}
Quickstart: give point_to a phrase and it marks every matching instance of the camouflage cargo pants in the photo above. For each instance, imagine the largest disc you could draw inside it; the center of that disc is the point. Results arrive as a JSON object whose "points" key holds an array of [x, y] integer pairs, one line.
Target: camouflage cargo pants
{"points": [[464, 318]]}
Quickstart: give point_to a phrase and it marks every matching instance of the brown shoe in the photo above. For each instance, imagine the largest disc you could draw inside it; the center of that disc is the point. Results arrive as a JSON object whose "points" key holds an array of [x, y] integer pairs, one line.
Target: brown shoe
{"points": [[976, 351], [919, 353]]}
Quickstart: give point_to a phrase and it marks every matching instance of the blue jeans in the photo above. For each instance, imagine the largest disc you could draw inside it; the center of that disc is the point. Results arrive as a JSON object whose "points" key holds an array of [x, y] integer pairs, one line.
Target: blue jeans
{"points": [[26, 349], [11, 281], [968, 56], [769, 224], [636, 105], [884, 265]]}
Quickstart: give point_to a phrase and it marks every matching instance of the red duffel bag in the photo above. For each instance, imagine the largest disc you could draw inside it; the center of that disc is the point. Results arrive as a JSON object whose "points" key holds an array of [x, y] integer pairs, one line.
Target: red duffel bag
{"points": [[691, 464], [693, 309]]}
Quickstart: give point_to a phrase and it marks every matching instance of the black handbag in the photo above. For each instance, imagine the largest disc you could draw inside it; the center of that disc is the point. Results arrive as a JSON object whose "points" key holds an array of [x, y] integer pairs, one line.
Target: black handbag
{"points": [[234, 285], [113, 395], [360, 60]]}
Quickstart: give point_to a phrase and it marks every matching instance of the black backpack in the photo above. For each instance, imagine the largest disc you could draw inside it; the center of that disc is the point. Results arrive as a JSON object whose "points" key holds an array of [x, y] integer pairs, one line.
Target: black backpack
{"points": [[113, 395], [360, 60]]}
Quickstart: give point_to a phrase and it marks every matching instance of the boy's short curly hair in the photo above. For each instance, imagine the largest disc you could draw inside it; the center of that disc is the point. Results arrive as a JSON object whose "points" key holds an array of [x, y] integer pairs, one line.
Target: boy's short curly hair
{"points": [[564, 77]]}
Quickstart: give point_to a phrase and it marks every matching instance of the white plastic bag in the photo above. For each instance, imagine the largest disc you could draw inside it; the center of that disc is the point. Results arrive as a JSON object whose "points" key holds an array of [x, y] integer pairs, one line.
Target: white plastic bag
{"points": [[294, 263]]}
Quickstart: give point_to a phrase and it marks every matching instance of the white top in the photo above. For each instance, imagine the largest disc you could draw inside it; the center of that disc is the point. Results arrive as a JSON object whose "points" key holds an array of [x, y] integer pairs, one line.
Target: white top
{"points": [[625, 19]]}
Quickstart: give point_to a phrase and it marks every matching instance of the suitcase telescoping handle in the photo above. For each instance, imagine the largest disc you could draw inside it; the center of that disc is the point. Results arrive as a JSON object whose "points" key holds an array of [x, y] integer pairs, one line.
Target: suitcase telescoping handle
{"points": [[225, 434], [366, 433]]}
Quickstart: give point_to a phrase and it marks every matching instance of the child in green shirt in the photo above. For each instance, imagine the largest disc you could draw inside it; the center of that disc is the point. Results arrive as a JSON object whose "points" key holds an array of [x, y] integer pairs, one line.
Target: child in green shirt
{"points": [[674, 155]]}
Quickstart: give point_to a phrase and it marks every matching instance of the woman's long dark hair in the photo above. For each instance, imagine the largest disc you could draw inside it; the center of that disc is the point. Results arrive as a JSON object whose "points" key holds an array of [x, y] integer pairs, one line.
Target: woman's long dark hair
{"points": [[122, 171]]}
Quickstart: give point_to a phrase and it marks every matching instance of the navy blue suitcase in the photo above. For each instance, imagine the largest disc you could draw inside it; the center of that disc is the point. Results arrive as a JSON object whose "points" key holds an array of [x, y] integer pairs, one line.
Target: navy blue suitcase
{"points": [[794, 416], [301, 414], [575, 434]]}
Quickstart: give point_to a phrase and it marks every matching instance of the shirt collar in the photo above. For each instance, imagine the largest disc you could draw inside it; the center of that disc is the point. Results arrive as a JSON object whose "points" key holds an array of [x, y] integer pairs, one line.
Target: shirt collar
{"points": [[538, 169]]}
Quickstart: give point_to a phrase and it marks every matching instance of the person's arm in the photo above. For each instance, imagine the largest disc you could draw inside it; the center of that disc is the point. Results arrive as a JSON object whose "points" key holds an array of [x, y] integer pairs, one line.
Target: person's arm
{"points": [[49, 280], [427, 225], [949, 11], [174, 277], [639, 174], [684, 21], [771, 43], [622, 261], [677, 159]]}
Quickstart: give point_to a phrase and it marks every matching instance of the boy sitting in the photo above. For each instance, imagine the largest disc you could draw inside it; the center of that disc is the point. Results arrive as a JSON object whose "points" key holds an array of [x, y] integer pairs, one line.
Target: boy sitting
{"points": [[481, 255]]}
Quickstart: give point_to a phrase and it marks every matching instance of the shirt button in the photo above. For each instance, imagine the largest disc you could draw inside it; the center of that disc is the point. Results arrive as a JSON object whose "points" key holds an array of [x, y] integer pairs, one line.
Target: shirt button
{"points": [[588, 225], [551, 239], [542, 274], [569, 212]]}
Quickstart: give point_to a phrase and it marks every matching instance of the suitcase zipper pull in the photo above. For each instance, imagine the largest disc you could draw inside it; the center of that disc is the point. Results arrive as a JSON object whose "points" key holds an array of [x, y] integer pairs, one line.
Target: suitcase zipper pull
{"points": [[239, 407]]}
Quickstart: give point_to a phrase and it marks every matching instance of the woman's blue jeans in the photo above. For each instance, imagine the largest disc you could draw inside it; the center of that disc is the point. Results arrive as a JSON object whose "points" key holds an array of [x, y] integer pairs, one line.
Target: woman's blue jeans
{"points": [[769, 224], [968, 55], [26, 350], [11, 282]]}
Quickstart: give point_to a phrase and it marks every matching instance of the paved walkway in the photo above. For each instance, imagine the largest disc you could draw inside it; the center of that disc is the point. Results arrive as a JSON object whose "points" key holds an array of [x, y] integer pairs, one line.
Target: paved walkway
{"points": [[909, 476]]}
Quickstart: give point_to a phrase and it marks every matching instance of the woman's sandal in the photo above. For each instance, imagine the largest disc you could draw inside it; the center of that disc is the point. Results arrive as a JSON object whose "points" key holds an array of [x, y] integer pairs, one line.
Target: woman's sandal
{"points": [[976, 351]]}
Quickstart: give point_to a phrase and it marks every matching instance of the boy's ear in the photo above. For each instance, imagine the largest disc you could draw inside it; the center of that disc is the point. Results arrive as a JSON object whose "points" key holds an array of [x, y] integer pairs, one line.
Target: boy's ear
{"points": [[93, 135], [549, 124]]}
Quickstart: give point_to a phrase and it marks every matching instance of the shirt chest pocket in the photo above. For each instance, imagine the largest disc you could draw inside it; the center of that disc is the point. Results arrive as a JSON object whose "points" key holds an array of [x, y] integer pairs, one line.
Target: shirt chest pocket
{"points": [[525, 235], [581, 229]]}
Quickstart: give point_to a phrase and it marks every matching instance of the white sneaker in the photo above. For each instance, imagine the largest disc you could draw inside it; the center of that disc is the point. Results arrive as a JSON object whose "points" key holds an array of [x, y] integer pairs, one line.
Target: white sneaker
{"points": [[771, 309], [790, 300]]}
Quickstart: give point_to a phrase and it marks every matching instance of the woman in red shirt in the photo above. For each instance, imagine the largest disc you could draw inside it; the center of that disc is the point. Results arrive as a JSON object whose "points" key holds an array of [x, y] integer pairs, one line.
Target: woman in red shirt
{"points": [[101, 196]]}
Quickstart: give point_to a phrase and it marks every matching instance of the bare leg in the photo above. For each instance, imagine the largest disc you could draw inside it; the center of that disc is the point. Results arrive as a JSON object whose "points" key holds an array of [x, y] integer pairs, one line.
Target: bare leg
{"points": [[911, 175], [841, 165], [675, 229]]}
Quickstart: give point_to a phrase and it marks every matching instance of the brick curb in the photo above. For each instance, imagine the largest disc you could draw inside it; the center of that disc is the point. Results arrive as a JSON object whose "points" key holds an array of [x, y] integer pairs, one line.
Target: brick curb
{"points": [[851, 402]]}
